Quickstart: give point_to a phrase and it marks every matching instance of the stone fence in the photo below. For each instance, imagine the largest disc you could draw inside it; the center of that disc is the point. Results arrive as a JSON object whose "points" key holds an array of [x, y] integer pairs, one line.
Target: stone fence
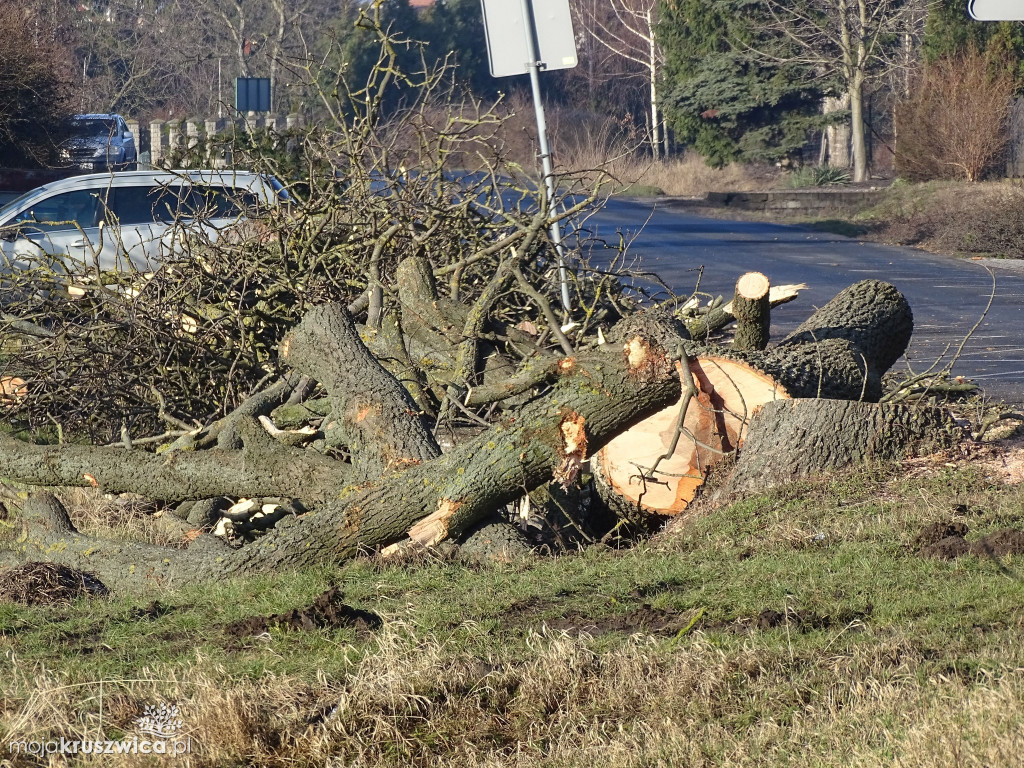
{"points": [[160, 139]]}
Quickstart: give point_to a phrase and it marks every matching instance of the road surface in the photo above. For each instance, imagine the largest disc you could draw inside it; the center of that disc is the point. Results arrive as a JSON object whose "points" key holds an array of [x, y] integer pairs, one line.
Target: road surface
{"points": [[948, 295]]}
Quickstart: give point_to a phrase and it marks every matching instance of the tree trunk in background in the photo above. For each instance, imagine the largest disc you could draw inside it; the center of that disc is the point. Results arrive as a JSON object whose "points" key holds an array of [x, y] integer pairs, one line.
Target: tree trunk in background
{"points": [[857, 128], [837, 135]]}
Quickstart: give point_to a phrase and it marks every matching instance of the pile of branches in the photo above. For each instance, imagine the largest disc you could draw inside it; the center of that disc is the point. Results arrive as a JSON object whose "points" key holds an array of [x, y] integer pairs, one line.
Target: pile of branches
{"points": [[138, 357], [386, 365]]}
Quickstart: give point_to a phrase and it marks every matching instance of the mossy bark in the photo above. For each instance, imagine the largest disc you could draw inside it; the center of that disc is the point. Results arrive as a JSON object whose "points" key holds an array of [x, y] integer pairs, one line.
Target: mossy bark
{"points": [[752, 312], [795, 439], [444, 495]]}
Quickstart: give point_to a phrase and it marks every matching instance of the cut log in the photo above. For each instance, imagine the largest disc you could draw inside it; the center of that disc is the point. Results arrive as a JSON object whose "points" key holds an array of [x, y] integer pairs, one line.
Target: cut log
{"points": [[602, 390], [752, 309], [712, 320], [729, 391], [840, 353], [779, 449]]}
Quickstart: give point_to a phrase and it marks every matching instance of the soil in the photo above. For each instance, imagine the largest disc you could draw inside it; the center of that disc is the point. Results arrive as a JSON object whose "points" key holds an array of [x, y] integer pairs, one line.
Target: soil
{"points": [[327, 611], [48, 584], [1000, 544], [936, 532], [946, 541], [948, 548]]}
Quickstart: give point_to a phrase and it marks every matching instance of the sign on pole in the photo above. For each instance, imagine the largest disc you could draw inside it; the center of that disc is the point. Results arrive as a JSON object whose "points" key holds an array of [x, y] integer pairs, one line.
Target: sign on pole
{"points": [[506, 32], [996, 10], [525, 36], [252, 94]]}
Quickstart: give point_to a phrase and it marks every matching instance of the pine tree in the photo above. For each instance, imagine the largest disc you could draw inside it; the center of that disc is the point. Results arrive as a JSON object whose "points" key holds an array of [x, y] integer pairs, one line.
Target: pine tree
{"points": [[950, 31], [718, 98]]}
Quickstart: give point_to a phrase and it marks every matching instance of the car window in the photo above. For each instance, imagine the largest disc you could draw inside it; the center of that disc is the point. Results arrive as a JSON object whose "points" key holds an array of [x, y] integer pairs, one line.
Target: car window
{"points": [[94, 126], [170, 203], [144, 205], [208, 202], [70, 210]]}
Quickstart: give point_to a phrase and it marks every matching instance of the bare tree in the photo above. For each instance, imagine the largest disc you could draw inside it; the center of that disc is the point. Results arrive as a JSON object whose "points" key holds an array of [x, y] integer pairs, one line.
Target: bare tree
{"points": [[953, 124], [852, 40], [34, 84], [628, 31]]}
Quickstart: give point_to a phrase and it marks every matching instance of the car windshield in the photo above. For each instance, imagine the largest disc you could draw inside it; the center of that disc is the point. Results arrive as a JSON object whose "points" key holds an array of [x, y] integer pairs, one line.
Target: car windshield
{"points": [[94, 126]]}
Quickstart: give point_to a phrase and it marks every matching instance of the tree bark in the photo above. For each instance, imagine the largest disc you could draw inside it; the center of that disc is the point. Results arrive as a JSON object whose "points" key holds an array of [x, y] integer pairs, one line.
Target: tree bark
{"points": [[796, 439], [595, 397], [752, 309], [840, 352], [382, 424]]}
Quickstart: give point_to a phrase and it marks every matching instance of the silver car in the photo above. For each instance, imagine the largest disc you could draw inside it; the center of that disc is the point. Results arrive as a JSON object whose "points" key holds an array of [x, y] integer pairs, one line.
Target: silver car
{"points": [[136, 219], [100, 142]]}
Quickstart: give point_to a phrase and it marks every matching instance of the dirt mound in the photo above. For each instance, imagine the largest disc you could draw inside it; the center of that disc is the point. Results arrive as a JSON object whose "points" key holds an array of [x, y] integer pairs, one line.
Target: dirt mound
{"points": [[936, 532], [1000, 543], [326, 611], [948, 548], [946, 541], [47, 584]]}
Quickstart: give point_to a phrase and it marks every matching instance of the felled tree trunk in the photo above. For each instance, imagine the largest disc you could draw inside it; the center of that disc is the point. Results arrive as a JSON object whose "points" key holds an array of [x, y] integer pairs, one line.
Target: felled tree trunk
{"points": [[594, 397], [797, 439], [840, 352]]}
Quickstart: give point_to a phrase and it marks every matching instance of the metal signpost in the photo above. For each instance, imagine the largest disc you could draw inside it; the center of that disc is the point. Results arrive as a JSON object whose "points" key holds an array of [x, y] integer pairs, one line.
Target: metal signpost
{"points": [[996, 10], [523, 37]]}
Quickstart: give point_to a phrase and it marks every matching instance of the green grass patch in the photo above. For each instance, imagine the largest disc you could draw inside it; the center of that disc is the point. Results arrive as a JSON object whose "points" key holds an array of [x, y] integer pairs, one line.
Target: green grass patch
{"points": [[802, 619]]}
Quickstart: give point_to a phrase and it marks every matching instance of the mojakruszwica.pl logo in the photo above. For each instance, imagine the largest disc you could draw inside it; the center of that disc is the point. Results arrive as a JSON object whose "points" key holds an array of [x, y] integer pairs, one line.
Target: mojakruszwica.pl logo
{"points": [[159, 733]]}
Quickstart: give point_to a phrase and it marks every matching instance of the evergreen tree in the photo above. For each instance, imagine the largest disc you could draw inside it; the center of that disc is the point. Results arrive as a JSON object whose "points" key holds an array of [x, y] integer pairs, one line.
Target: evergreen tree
{"points": [[718, 98], [950, 31], [455, 28]]}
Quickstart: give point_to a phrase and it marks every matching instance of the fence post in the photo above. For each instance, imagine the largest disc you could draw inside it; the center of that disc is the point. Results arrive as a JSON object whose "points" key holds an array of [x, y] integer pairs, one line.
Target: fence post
{"points": [[192, 132], [173, 136], [133, 128], [156, 149]]}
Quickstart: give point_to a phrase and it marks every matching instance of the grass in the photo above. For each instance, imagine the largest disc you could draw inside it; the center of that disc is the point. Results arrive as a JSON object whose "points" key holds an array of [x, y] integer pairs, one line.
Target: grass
{"points": [[797, 626]]}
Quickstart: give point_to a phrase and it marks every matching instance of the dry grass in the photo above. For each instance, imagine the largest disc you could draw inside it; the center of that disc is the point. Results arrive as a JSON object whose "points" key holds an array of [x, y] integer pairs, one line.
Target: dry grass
{"points": [[416, 700], [985, 218], [587, 144], [920, 664], [125, 516], [686, 176]]}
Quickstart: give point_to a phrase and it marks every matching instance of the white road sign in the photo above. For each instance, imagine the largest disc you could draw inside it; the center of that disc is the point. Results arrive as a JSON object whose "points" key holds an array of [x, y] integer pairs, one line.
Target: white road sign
{"points": [[507, 47], [996, 10]]}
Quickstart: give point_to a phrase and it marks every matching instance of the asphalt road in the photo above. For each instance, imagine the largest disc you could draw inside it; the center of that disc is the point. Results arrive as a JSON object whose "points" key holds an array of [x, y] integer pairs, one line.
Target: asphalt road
{"points": [[947, 295]]}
